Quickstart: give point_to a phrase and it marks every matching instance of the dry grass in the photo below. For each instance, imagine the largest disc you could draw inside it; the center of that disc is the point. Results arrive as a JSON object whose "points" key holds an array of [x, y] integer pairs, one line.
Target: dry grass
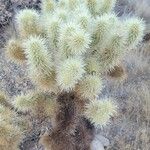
{"points": [[131, 129]]}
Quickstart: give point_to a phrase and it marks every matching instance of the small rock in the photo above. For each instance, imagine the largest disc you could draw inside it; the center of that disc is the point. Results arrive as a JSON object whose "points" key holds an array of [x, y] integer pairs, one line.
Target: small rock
{"points": [[97, 145], [103, 140]]}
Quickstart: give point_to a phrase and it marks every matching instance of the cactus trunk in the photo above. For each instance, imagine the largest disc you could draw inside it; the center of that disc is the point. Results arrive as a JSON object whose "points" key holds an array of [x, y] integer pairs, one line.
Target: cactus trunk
{"points": [[71, 131]]}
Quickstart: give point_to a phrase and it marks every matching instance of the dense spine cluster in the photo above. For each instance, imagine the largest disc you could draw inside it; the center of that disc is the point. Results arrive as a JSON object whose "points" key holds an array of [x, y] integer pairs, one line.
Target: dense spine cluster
{"points": [[68, 46]]}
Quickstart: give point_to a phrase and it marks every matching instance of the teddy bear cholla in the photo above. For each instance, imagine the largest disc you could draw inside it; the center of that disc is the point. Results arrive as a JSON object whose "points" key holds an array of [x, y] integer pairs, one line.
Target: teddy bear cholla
{"points": [[68, 47]]}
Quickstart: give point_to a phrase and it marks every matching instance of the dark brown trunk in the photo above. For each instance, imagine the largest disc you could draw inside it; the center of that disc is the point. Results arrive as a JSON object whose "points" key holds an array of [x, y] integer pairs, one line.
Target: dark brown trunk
{"points": [[71, 130]]}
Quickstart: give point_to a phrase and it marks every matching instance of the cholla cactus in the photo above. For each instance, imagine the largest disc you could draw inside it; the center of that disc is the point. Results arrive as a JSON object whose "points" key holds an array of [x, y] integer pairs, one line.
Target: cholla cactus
{"points": [[68, 46], [11, 126]]}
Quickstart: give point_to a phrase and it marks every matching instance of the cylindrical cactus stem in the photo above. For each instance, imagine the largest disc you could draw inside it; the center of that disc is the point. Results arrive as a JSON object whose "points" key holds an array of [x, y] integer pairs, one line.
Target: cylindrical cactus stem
{"points": [[14, 51], [69, 111], [4, 101], [90, 87], [107, 6], [118, 72], [135, 29], [48, 5], [99, 112], [28, 23], [69, 73], [70, 130], [40, 65]]}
